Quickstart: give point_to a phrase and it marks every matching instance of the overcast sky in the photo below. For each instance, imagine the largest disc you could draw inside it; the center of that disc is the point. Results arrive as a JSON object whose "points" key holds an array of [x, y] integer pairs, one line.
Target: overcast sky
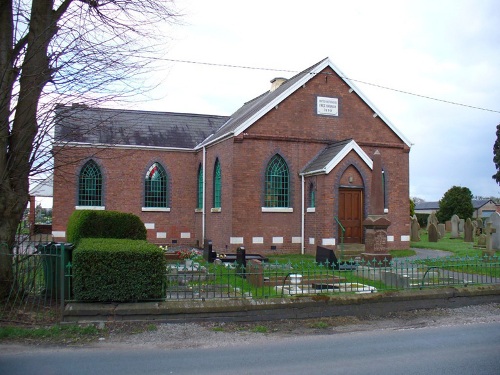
{"points": [[447, 50]]}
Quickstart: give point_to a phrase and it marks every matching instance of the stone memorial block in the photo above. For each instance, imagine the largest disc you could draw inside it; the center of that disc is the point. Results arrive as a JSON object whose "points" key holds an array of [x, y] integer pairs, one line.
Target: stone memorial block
{"points": [[432, 219], [415, 229], [455, 220], [441, 230], [474, 228], [488, 229], [494, 231], [480, 225], [481, 240], [468, 231], [461, 225], [433, 233], [448, 225]]}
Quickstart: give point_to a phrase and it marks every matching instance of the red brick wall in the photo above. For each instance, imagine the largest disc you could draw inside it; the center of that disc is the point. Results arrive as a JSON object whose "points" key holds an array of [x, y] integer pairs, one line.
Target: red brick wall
{"points": [[292, 130], [123, 175]]}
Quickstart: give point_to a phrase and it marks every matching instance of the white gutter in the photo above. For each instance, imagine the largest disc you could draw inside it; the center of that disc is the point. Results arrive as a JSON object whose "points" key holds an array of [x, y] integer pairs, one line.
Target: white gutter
{"points": [[203, 198], [302, 229]]}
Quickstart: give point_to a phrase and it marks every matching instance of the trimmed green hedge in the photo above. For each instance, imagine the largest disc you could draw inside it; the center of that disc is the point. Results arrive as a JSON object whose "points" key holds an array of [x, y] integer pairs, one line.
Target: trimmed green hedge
{"points": [[117, 270], [104, 224]]}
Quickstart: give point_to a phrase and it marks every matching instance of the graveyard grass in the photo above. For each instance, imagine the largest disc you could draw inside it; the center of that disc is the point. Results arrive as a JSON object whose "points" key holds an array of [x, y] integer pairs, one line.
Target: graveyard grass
{"points": [[457, 246]]}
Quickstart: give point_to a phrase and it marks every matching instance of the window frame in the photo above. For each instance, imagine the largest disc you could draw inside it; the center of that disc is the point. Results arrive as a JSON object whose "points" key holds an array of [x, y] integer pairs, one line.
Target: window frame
{"points": [[157, 200], [277, 186], [85, 199]]}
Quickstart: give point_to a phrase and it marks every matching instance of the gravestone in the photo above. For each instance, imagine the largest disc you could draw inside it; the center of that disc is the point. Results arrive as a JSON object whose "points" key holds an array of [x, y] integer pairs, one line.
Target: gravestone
{"points": [[461, 225], [481, 241], [415, 229], [441, 230], [208, 254], [448, 225], [480, 226], [495, 231], [328, 258], [474, 229], [377, 222], [432, 219], [241, 261], [455, 220], [488, 231], [433, 233], [468, 231]]}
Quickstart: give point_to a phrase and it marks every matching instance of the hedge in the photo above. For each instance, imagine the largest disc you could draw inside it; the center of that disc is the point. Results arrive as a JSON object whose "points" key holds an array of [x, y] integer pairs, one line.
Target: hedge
{"points": [[104, 224], [118, 270]]}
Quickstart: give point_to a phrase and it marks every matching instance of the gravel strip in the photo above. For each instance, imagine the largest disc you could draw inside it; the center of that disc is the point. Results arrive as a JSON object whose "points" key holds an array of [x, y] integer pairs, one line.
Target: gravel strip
{"points": [[215, 335]]}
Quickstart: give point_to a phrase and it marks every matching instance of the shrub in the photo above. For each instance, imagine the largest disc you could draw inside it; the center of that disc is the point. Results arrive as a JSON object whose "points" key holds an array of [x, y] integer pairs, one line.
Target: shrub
{"points": [[422, 220], [104, 224], [118, 270]]}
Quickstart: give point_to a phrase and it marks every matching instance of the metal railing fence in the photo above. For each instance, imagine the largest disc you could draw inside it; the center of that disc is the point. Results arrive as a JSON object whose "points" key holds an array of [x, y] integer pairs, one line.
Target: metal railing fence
{"points": [[36, 286], [201, 280]]}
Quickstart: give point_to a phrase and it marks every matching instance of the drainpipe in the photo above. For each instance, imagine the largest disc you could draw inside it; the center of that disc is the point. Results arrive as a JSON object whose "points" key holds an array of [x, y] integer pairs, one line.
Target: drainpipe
{"points": [[203, 218], [302, 234]]}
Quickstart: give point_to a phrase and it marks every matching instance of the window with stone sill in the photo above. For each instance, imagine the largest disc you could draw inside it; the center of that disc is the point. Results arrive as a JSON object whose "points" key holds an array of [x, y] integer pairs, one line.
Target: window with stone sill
{"points": [[90, 185], [155, 188]]}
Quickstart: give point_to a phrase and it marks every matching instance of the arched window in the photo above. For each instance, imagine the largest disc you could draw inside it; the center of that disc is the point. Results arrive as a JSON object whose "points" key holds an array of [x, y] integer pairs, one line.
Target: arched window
{"points": [[156, 187], [277, 185], [217, 185], [200, 186], [90, 185]]}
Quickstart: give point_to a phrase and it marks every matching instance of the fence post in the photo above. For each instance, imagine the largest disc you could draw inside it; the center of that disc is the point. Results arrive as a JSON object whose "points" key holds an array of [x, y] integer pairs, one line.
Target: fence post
{"points": [[63, 275]]}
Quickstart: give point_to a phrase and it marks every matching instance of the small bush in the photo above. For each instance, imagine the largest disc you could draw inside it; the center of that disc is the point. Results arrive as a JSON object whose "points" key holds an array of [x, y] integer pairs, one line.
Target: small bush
{"points": [[118, 270], [104, 224]]}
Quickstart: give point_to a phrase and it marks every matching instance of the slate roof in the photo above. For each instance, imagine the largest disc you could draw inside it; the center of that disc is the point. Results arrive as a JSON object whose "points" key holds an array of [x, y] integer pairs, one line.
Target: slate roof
{"points": [[427, 206], [181, 130], [84, 124], [331, 155], [476, 203]]}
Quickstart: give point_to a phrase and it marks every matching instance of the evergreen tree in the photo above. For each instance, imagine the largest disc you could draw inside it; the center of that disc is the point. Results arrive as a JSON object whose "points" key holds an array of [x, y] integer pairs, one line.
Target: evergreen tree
{"points": [[496, 156], [456, 201]]}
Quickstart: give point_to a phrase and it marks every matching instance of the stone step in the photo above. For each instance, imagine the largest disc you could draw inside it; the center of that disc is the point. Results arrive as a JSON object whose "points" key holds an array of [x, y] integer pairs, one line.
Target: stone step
{"points": [[350, 249]]}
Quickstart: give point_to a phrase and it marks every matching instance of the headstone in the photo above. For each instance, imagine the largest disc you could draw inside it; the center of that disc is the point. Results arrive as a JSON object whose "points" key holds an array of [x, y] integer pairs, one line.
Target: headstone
{"points": [[481, 240], [415, 229], [441, 230], [454, 226], [488, 230], [376, 223], [448, 225], [474, 229], [241, 261], [208, 254], [432, 219], [433, 233], [461, 225], [495, 231], [468, 231], [480, 225]]}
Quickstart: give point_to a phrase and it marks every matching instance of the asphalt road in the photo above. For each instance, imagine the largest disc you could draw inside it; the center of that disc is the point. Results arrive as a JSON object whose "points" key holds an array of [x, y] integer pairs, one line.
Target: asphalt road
{"points": [[456, 349]]}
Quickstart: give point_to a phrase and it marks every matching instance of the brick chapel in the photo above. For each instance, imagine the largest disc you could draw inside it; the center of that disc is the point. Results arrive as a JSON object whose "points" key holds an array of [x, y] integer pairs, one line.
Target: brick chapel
{"points": [[278, 175]]}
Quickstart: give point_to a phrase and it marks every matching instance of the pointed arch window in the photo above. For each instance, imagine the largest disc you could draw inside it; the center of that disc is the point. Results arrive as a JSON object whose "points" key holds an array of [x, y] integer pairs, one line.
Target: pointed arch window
{"points": [[90, 185], [200, 187], [277, 183], [217, 185], [156, 187]]}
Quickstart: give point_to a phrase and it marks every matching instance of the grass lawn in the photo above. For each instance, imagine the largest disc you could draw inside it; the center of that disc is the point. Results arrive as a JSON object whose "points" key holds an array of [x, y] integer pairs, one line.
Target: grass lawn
{"points": [[457, 245]]}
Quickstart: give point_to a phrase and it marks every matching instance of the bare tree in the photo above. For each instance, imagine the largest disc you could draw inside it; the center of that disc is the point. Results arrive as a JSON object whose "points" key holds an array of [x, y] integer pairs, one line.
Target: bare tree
{"points": [[86, 51]]}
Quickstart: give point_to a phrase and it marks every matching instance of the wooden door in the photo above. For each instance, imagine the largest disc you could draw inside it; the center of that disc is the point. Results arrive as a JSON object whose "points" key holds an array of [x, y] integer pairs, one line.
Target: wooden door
{"points": [[351, 215]]}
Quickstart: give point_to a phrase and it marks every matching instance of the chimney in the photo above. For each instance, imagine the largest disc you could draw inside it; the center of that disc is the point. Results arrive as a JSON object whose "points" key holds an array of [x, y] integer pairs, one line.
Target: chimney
{"points": [[277, 82]]}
